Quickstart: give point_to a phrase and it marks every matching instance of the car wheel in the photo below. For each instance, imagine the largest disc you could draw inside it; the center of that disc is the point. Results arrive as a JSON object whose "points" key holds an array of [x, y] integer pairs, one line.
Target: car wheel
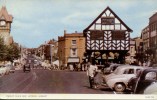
{"points": [[119, 87]]}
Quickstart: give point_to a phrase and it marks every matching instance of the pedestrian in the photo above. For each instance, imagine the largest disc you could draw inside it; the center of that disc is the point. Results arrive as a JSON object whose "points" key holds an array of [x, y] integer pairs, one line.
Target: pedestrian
{"points": [[91, 73], [71, 67], [78, 67], [144, 64]]}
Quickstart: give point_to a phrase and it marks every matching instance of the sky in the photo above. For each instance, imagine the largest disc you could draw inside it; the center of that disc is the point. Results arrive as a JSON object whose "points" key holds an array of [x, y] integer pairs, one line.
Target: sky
{"points": [[37, 21]]}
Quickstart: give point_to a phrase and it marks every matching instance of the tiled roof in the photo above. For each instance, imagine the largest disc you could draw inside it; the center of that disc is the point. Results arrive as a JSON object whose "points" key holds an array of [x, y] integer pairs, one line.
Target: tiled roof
{"points": [[4, 13]]}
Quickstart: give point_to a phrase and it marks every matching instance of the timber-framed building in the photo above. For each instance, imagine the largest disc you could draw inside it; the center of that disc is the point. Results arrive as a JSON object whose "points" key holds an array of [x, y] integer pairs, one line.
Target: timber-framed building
{"points": [[107, 35]]}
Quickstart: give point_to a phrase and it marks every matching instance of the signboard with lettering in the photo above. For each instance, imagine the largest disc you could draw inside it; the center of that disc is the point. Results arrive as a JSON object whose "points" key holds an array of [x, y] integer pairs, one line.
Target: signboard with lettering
{"points": [[107, 21], [96, 35], [118, 35]]}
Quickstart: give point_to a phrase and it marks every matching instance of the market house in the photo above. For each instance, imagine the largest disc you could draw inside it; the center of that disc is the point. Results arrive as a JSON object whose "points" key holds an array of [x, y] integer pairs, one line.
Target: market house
{"points": [[107, 38]]}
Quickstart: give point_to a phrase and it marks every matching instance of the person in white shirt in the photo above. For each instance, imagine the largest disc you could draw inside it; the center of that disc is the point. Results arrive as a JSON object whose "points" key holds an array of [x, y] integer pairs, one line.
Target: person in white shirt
{"points": [[91, 72]]}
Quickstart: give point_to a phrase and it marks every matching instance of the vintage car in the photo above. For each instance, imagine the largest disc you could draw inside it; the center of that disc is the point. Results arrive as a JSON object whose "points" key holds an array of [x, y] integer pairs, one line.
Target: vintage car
{"points": [[111, 68], [8, 67], [2, 70], [146, 78], [118, 80], [151, 89], [27, 67]]}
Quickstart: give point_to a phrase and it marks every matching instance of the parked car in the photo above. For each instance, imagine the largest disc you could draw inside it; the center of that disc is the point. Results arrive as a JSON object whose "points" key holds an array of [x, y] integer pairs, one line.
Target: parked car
{"points": [[154, 65], [2, 70], [111, 68], [27, 67], [118, 80], [151, 89], [12, 69], [8, 67], [146, 78], [36, 63]]}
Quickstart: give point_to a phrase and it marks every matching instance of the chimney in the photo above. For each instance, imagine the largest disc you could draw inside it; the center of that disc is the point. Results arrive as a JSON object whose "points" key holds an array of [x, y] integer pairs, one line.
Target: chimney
{"points": [[64, 32], [75, 31]]}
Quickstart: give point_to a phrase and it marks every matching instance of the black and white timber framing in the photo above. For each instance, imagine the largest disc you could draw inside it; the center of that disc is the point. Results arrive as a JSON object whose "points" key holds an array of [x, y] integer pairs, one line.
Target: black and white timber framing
{"points": [[107, 33]]}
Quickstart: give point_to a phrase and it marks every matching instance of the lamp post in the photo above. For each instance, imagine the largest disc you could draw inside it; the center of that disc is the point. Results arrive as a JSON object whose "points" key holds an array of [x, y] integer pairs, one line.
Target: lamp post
{"points": [[51, 53]]}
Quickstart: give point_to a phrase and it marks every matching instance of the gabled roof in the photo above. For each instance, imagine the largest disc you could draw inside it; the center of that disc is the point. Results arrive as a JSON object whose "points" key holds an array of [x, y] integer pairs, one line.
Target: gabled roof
{"points": [[130, 30], [4, 14]]}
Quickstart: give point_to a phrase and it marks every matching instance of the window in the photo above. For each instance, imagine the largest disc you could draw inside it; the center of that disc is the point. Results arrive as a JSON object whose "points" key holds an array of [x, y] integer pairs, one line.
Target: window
{"points": [[151, 76], [73, 42], [73, 52], [129, 71], [131, 49]]}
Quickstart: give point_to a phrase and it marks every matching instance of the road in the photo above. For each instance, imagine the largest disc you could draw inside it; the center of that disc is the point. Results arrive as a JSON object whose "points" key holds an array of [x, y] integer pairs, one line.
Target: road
{"points": [[48, 81]]}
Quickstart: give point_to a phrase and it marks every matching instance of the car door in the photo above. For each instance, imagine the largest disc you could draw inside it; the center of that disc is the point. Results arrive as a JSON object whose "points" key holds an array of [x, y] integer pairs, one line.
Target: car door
{"points": [[145, 81], [128, 74]]}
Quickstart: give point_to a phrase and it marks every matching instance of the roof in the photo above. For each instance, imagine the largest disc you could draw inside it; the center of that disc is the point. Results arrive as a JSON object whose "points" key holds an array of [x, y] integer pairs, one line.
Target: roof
{"points": [[52, 41], [4, 13], [129, 66], [130, 30], [74, 35]]}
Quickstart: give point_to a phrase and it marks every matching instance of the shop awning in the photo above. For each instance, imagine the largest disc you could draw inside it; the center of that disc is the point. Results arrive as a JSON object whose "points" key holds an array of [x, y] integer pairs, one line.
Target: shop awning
{"points": [[73, 60]]}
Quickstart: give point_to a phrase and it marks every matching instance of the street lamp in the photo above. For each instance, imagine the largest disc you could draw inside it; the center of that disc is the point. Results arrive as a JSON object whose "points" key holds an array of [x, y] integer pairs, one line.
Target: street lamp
{"points": [[51, 52]]}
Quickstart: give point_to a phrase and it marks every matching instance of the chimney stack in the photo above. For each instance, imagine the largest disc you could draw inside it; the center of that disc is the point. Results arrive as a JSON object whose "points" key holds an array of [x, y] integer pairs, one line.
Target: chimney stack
{"points": [[64, 32]]}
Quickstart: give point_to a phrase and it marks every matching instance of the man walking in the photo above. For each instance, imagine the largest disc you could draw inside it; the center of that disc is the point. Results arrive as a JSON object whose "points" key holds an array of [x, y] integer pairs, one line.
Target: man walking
{"points": [[91, 72]]}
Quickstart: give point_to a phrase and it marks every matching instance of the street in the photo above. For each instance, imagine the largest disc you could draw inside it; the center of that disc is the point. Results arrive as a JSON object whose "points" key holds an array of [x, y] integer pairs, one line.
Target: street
{"points": [[48, 81]]}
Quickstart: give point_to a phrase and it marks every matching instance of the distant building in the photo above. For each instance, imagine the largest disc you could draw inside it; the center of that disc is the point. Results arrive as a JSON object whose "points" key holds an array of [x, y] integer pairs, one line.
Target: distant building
{"points": [[5, 26], [130, 58], [138, 44], [149, 36], [71, 48], [48, 50], [145, 38], [153, 35]]}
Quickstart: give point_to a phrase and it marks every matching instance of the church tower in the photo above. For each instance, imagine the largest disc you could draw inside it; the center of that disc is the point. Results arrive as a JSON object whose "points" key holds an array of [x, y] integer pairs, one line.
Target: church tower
{"points": [[5, 26]]}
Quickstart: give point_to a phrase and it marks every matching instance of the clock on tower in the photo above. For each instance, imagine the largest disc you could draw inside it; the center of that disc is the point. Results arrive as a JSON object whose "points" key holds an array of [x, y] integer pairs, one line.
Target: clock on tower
{"points": [[2, 23]]}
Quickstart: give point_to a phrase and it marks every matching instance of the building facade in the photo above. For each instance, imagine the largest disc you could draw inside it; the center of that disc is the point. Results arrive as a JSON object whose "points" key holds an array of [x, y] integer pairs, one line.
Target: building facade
{"points": [[145, 38], [153, 35], [5, 26], [71, 48], [107, 33], [48, 50], [130, 58], [149, 37]]}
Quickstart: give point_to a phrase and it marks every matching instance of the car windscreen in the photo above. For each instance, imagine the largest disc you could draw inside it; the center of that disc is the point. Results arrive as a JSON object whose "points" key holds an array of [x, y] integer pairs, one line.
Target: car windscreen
{"points": [[117, 71], [151, 76]]}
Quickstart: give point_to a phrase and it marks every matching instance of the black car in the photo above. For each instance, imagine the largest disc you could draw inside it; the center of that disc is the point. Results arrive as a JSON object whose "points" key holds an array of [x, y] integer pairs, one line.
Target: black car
{"points": [[27, 67], [144, 79]]}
